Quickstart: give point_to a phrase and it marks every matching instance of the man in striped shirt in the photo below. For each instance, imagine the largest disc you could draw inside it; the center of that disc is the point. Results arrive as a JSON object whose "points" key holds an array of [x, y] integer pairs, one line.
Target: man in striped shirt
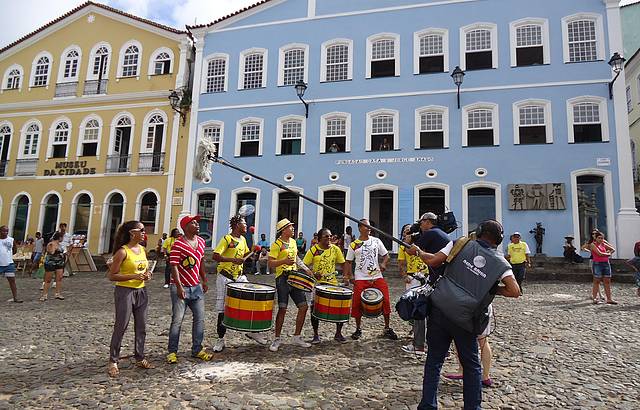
{"points": [[188, 286]]}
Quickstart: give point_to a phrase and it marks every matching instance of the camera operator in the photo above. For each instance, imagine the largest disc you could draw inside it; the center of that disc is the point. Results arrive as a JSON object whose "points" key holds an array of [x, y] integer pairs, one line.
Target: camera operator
{"points": [[478, 269], [431, 240]]}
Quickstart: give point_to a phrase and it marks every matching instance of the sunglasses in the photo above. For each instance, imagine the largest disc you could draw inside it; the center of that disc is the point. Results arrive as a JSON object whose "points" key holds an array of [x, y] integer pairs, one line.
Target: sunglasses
{"points": [[137, 230]]}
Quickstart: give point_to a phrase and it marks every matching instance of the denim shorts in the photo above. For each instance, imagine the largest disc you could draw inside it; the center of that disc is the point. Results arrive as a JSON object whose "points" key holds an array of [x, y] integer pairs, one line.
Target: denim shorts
{"points": [[601, 270], [284, 291], [8, 271]]}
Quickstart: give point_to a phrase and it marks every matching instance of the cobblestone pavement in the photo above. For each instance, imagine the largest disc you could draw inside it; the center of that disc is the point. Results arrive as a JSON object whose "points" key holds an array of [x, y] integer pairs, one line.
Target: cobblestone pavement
{"points": [[552, 349]]}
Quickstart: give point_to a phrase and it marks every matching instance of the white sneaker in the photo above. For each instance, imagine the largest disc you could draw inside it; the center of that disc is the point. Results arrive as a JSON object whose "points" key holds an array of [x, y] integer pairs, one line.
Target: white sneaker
{"points": [[275, 345], [53, 285], [42, 286], [411, 349], [258, 338], [297, 340], [219, 346], [165, 286]]}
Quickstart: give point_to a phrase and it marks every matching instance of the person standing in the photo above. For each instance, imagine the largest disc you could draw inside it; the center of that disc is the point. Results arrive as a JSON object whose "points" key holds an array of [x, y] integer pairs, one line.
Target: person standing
{"points": [[263, 242], [283, 257], [518, 255], [159, 245], [54, 261], [188, 286], [365, 252], [130, 272], [301, 243], [7, 267], [38, 250], [323, 258], [431, 240], [230, 254], [600, 253], [166, 252]]}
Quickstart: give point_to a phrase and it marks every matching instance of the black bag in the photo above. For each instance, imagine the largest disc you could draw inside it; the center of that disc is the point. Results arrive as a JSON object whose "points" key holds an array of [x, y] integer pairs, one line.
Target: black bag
{"points": [[414, 304], [447, 222]]}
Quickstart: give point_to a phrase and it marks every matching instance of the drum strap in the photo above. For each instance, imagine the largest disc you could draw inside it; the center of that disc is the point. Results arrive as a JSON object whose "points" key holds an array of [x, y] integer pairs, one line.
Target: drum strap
{"points": [[227, 275]]}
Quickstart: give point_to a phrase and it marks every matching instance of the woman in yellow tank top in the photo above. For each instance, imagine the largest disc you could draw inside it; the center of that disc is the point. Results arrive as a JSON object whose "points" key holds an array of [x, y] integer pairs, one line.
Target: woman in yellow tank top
{"points": [[129, 270]]}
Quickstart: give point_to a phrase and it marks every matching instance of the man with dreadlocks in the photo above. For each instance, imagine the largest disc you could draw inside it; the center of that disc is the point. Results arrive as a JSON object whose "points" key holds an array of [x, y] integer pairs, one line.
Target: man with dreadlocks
{"points": [[230, 254]]}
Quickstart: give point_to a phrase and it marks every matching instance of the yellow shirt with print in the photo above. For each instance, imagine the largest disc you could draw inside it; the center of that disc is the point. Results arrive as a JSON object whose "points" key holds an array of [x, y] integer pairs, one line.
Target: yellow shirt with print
{"points": [[231, 247], [324, 262], [133, 265], [517, 252], [281, 250], [168, 243], [414, 263]]}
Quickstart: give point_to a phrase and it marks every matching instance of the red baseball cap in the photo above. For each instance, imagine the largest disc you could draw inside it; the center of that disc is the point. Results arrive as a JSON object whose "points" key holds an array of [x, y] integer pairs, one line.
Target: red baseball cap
{"points": [[187, 220]]}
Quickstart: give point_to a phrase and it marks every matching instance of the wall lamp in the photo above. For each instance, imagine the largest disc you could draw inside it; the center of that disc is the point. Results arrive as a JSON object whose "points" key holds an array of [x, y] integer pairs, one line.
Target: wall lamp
{"points": [[458, 78], [180, 100], [301, 87], [616, 62]]}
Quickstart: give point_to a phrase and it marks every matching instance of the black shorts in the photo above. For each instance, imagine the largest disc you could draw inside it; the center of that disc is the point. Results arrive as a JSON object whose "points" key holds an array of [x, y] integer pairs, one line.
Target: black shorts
{"points": [[284, 291]]}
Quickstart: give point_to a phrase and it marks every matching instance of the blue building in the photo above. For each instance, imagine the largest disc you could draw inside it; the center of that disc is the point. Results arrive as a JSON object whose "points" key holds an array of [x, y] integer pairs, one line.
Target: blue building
{"points": [[535, 139]]}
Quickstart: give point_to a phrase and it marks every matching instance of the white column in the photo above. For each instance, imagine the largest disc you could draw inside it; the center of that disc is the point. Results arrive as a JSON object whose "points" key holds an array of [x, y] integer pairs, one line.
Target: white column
{"points": [[193, 124], [628, 220], [311, 8]]}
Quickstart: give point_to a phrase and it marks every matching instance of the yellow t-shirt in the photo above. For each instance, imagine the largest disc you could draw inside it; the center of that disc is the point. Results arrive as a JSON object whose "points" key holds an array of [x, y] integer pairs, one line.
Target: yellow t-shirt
{"points": [[281, 250], [133, 265], [324, 262], [231, 247], [414, 263], [517, 252], [168, 243]]}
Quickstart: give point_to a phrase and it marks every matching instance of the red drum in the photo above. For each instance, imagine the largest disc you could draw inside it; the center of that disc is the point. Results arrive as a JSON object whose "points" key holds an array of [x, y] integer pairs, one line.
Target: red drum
{"points": [[371, 300], [248, 307], [332, 303], [301, 281]]}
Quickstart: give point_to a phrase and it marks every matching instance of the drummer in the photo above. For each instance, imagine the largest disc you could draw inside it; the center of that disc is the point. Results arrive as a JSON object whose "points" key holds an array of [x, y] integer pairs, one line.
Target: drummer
{"points": [[324, 256], [283, 257], [230, 255], [368, 274]]}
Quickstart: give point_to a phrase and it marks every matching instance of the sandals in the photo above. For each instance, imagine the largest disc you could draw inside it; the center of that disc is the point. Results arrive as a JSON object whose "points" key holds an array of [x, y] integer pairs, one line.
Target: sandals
{"points": [[204, 356], [43, 298], [453, 376], [612, 302], [144, 364], [112, 369], [59, 297]]}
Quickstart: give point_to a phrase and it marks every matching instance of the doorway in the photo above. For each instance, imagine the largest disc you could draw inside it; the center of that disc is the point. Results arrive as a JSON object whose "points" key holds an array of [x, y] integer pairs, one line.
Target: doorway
{"points": [[114, 217], [381, 213]]}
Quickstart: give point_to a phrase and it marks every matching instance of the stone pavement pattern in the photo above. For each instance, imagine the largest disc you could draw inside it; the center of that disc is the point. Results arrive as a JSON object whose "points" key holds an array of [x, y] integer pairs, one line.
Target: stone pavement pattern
{"points": [[552, 349]]}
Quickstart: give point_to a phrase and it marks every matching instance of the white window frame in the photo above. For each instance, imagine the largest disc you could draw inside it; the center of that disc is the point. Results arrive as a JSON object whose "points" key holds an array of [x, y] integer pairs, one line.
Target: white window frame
{"points": [[323, 58], [205, 70], [34, 63], [52, 131], [239, 126], [74, 211], [141, 195], [265, 60], [23, 134], [5, 78], [445, 123], [493, 28], [154, 55], [597, 18], [112, 136], [416, 46], [396, 126], [123, 49], [213, 123], [533, 21], [281, 54], [548, 121], [323, 129], [145, 130], [81, 131], [495, 120], [396, 50], [303, 132], [63, 62], [603, 113], [11, 138], [92, 56]]}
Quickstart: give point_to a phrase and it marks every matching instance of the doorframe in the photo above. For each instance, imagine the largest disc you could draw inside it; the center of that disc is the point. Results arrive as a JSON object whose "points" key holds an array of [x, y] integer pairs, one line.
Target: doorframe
{"points": [[608, 198], [367, 204], [105, 218]]}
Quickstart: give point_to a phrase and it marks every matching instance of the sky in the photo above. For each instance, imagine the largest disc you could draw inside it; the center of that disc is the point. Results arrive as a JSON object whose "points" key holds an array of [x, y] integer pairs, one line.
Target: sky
{"points": [[24, 16]]}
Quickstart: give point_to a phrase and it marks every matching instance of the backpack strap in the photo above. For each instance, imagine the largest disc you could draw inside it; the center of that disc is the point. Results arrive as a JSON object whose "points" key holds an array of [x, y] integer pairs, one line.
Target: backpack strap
{"points": [[457, 247]]}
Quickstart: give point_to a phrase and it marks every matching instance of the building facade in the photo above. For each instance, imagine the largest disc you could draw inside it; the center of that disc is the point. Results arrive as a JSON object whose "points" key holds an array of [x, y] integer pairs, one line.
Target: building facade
{"points": [[87, 134], [632, 71], [535, 137]]}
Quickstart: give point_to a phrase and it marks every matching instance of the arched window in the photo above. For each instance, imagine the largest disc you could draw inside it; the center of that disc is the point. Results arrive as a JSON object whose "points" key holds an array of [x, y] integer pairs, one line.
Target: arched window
{"points": [[162, 64], [253, 69], [382, 130], [214, 132], [383, 55], [13, 78], [60, 140], [151, 155], [216, 77], [291, 136], [479, 46], [293, 64], [431, 51], [529, 38], [90, 138], [206, 209], [100, 57], [41, 70], [587, 120], [148, 211], [82, 215], [70, 66], [432, 127], [5, 140], [31, 141], [20, 217], [337, 60], [130, 61], [480, 125], [249, 134], [532, 120], [50, 212], [335, 134]]}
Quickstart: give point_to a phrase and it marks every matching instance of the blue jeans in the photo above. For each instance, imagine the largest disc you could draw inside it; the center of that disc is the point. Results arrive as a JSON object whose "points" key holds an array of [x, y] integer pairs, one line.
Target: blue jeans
{"points": [[194, 300], [440, 333]]}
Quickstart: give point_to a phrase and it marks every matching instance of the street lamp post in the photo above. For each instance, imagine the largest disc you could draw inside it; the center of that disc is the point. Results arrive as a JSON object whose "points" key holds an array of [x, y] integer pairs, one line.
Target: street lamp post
{"points": [[301, 87], [458, 78], [616, 63], [180, 101]]}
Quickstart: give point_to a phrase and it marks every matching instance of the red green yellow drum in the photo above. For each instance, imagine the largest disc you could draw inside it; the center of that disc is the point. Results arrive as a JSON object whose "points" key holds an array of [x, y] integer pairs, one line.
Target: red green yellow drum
{"points": [[332, 303], [301, 281], [371, 302], [248, 307]]}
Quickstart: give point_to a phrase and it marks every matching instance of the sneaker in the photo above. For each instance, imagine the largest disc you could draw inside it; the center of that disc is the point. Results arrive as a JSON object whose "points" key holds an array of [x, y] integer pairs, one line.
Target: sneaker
{"points": [[59, 297], [275, 345], [390, 334], [166, 286], [219, 346], [42, 286], [53, 284], [488, 382], [412, 349], [298, 341], [204, 356], [340, 339], [258, 338], [172, 358], [357, 334], [315, 340]]}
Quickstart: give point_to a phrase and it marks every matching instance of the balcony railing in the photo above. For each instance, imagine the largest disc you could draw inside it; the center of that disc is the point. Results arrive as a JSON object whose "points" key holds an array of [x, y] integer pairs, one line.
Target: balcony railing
{"points": [[66, 89], [91, 87], [152, 162], [26, 167], [3, 167], [118, 163]]}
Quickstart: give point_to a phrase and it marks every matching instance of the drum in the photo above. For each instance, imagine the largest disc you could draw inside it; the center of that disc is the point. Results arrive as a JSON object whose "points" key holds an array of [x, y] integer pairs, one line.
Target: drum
{"points": [[301, 281], [248, 307], [332, 303], [371, 300]]}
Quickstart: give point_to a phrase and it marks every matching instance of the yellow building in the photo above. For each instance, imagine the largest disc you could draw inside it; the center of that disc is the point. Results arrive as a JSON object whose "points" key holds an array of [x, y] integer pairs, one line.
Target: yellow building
{"points": [[87, 132], [632, 75]]}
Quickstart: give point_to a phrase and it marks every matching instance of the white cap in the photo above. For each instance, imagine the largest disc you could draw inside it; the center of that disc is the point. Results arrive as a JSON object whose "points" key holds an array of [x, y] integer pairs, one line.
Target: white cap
{"points": [[516, 233], [429, 216]]}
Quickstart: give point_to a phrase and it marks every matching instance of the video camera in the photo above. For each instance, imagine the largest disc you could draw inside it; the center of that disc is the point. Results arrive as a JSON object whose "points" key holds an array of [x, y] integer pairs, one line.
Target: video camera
{"points": [[447, 222]]}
